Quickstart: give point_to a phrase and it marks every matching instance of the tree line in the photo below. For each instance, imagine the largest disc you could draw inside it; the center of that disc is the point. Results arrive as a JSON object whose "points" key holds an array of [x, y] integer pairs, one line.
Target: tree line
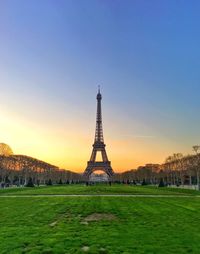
{"points": [[27, 171], [176, 170]]}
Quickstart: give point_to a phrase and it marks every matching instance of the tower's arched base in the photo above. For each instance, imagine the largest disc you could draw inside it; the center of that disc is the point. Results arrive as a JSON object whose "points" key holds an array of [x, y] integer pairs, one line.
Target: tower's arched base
{"points": [[94, 166]]}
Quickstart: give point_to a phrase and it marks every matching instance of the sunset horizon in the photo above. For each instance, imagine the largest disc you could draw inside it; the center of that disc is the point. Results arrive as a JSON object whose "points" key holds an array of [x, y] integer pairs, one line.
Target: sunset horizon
{"points": [[77, 162], [78, 165]]}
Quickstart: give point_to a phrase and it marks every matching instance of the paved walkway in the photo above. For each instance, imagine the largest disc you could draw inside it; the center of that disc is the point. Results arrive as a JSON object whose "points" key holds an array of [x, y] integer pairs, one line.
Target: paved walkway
{"points": [[99, 195]]}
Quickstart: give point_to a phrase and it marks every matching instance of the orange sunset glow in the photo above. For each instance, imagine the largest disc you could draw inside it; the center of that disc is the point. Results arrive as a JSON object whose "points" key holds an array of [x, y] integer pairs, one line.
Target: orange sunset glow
{"points": [[69, 146]]}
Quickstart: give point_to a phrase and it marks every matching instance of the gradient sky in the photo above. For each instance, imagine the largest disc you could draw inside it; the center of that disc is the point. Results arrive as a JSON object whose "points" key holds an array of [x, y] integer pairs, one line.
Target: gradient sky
{"points": [[144, 54]]}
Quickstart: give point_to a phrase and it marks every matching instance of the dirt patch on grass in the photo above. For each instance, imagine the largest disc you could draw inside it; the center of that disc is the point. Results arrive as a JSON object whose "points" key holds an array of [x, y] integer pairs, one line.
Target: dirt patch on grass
{"points": [[53, 224], [85, 248], [99, 217]]}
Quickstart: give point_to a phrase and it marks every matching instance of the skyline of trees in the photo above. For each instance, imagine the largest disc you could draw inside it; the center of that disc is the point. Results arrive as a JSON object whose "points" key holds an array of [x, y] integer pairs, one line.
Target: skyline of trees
{"points": [[177, 169], [19, 169]]}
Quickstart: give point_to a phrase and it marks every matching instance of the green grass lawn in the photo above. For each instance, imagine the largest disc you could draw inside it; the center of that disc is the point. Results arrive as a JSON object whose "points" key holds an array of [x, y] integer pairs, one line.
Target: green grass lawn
{"points": [[98, 189], [114, 225]]}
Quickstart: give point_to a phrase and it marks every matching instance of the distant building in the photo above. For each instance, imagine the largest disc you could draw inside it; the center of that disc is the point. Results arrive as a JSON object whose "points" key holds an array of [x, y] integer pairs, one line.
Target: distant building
{"points": [[99, 177]]}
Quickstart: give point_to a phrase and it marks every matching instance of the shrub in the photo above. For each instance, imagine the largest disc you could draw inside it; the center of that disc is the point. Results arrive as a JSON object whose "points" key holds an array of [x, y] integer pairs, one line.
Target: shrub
{"points": [[49, 182], [161, 184], [30, 182], [144, 182]]}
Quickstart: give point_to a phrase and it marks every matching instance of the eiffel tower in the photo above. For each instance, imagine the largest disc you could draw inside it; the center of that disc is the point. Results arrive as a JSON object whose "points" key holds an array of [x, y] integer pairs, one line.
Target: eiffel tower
{"points": [[98, 146]]}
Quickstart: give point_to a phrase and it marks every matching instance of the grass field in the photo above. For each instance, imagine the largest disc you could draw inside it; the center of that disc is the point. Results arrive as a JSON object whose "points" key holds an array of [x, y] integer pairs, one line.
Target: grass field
{"points": [[94, 224], [97, 189]]}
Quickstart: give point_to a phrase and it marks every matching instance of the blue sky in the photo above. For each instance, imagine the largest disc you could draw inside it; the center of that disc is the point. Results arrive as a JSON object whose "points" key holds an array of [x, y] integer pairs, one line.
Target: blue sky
{"points": [[144, 54]]}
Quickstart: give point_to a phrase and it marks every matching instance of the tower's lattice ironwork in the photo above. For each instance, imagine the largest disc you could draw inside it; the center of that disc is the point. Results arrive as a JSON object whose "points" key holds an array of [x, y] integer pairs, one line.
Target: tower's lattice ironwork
{"points": [[98, 146]]}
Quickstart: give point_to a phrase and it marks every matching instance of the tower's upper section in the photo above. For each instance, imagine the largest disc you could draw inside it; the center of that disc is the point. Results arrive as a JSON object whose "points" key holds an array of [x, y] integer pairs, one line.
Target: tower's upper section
{"points": [[99, 128], [99, 96]]}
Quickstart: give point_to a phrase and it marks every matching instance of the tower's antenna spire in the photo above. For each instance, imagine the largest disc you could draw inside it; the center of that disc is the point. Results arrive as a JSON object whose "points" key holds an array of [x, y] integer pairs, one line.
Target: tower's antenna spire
{"points": [[98, 88]]}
